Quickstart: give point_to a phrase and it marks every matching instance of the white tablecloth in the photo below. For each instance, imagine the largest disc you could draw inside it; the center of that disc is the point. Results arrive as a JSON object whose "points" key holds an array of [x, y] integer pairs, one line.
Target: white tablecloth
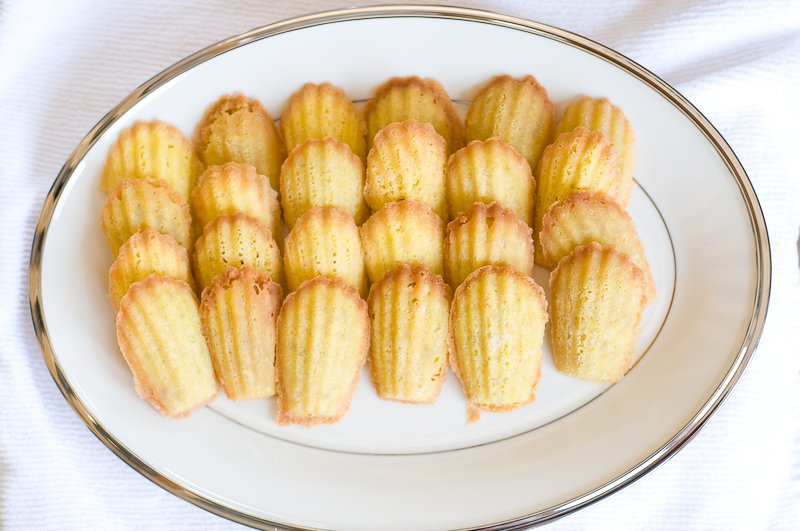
{"points": [[64, 64]]}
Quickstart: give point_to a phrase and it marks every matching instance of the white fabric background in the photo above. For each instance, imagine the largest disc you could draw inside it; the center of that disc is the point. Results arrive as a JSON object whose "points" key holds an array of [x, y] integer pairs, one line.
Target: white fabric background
{"points": [[64, 64]]}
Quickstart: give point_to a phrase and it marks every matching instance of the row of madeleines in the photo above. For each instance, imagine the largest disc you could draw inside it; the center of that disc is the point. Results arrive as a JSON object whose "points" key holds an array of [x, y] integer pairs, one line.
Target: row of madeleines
{"points": [[445, 234]]}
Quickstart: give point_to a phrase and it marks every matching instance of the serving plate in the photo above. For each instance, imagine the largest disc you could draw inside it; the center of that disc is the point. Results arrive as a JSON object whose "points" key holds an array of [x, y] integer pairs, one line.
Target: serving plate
{"points": [[394, 466]]}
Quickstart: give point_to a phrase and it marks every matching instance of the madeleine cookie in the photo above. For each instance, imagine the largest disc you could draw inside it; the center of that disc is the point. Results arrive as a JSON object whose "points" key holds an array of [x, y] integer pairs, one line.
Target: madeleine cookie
{"points": [[490, 171], [597, 295], [486, 235], [325, 241], [407, 161], [317, 111], [234, 241], [409, 311], [578, 160], [238, 312], [145, 203], [405, 231], [155, 150], [238, 129], [323, 339], [322, 173], [424, 100], [600, 115], [585, 217], [497, 322], [159, 334], [147, 252], [517, 112], [235, 187]]}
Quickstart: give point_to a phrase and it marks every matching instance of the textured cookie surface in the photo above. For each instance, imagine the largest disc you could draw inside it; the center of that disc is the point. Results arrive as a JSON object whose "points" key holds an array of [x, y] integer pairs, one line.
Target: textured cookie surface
{"points": [[490, 171], [325, 241], [238, 129], [578, 160], [138, 204], [405, 231], [585, 217], [486, 235], [233, 241], [322, 173], [424, 100], [147, 252], [497, 322], [517, 112], [409, 311], [596, 302], [156, 150], [238, 312], [407, 161], [323, 339], [318, 111], [160, 336], [598, 114]]}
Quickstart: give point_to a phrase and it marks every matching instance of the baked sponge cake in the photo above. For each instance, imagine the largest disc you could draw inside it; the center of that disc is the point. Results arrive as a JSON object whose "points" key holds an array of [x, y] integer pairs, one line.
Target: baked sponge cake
{"points": [[424, 100], [597, 295], [486, 235], [598, 114], [238, 312], [323, 339], [325, 241], [236, 187], [147, 252], [320, 173], [517, 112], [497, 322], [160, 336], [585, 217], [578, 160], [238, 129], [139, 204], [318, 111], [407, 161], [409, 311], [403, 231], [156, 150], [487, 171], [234, 241]]}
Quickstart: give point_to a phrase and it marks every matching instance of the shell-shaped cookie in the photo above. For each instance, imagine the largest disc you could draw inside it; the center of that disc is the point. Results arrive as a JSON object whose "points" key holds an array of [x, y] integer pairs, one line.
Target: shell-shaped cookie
{"points": [[321, 173], [323, 339], [486, 235], [598, 114], [238, 129], [317, 111], [405, 231], [487, 171], [409, 311], [234, 241], [147, 252], [578, 160], [235, 187], [138, 204], [517, 112], [497, 322], [160, 336], [238, 312], [407, 161], [585, 217], [156, 150], [412, 98], [324, 241], [597, 295]]}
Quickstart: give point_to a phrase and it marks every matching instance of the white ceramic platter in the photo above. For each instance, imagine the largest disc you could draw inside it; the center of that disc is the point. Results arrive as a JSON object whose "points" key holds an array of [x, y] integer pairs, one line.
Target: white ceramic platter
{"points": [[392, 466]]}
